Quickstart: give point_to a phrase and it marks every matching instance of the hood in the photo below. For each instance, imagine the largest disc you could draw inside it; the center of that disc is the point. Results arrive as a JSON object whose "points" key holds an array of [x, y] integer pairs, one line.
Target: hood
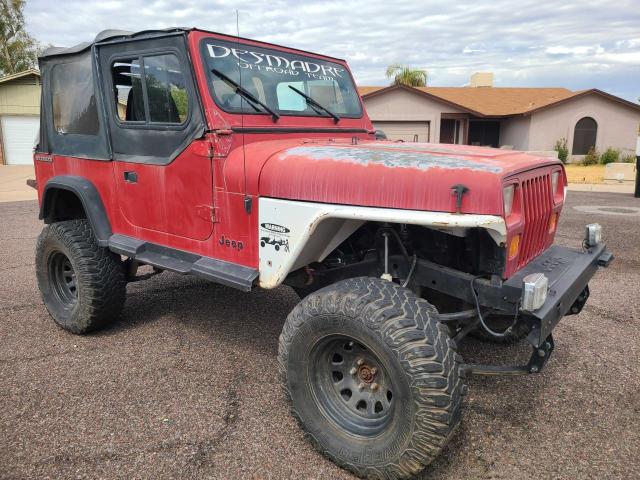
{"points": [[416, 176]]}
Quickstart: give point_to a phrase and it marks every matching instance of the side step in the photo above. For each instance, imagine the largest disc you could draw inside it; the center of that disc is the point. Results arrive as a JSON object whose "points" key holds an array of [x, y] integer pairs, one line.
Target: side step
{"points": [[165, 258]]}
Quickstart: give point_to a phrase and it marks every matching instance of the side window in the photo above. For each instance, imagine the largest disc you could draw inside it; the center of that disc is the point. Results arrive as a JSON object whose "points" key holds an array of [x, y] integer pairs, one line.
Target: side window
{"points": [[166, 90], [74, 103], [128, 90], [159, 95]]}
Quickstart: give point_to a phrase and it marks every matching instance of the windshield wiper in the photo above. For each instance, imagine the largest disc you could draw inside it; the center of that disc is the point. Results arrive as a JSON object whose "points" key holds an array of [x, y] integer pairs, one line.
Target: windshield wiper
{"points": [[245, 93], [315, 103]]}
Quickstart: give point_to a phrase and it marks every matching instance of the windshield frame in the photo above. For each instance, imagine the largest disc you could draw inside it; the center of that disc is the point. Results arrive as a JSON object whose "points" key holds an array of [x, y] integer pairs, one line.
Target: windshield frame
{"points": [[282, 50]]}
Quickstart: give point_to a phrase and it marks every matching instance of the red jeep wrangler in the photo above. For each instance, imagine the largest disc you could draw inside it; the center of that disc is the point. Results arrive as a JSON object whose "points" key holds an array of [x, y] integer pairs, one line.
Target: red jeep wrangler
{"points": [[255, 165]]}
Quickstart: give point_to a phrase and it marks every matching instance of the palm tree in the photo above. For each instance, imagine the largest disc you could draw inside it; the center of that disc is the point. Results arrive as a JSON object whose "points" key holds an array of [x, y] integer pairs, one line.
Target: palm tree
{"points": [[405, 75]]}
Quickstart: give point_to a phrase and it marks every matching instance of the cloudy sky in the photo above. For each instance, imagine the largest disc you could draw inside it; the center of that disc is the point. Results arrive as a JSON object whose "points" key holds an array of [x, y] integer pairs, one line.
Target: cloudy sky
{"points": [[573, 44]]}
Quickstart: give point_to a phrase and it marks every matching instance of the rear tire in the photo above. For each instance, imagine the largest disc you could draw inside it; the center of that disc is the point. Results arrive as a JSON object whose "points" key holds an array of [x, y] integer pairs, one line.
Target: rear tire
{"points": [[371, 376], [82, 285]]}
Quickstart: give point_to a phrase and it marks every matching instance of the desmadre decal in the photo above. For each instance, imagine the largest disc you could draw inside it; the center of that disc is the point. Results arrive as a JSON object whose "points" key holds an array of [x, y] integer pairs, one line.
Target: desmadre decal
{"points": [[254, 60]]}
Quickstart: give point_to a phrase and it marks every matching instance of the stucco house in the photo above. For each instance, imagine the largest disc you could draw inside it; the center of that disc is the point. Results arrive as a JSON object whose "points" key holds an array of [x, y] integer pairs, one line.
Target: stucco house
{"points": [[19, 116], [530, 119]]}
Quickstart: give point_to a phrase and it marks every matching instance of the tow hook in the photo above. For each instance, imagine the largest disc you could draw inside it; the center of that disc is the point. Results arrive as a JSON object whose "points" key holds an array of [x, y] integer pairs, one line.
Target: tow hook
{"points": [[538, 359]]}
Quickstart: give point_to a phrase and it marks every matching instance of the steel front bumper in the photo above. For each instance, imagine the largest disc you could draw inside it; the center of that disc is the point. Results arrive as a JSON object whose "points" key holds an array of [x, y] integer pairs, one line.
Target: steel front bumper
{"points": [[568, 272]]}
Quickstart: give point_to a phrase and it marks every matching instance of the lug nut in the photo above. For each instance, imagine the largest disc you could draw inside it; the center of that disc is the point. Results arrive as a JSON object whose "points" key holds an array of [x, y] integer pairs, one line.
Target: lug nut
{"points": [[360, 362], [374, 386], [361, 386], [374, 370], [353, 371]]}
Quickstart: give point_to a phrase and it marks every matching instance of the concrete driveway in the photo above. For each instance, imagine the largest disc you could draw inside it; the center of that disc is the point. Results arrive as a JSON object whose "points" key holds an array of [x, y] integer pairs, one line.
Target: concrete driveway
{"points": [[13, 183], [184, 385]]}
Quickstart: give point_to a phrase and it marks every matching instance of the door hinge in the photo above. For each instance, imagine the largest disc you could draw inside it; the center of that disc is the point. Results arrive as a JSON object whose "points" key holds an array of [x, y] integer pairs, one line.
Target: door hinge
{"points": [[207, 212]]}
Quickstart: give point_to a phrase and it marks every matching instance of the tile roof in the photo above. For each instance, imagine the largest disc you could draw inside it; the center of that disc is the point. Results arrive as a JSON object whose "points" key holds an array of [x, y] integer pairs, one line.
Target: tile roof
{"points": [[499, 101], [31, 71]]}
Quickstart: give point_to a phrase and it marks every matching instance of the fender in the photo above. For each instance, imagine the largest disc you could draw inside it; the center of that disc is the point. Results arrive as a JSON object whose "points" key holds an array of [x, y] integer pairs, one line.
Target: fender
{"points": [[292, 234], [89, 198]]}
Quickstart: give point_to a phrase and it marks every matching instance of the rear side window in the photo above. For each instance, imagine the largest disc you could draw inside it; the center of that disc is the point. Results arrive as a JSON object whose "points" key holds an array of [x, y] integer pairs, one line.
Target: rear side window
{"points": [[74, 103], [150, 89]]}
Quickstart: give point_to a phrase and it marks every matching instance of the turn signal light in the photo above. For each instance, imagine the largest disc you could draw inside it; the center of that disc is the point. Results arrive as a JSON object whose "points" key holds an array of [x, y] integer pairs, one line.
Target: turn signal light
{"points": [[514, 247], [553, 222]]}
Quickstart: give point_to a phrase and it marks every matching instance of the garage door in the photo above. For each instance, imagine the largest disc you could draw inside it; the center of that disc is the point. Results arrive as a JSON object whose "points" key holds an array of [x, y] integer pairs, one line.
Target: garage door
{"points": [[18, 138], [407, 131]]}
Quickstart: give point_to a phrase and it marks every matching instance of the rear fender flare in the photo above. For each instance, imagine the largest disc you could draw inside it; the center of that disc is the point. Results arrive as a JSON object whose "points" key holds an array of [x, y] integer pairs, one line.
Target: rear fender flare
{"points": [[89, 197], [307, 232]]}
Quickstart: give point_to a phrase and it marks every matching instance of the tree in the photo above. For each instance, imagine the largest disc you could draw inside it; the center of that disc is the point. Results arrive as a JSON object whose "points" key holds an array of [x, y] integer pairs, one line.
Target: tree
{"points": [[18, 50], [405, 75]]}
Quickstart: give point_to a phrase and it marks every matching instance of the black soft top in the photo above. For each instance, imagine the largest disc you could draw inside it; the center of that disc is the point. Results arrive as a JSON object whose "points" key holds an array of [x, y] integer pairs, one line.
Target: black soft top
{"points": [[116, 35], [107, 35]]}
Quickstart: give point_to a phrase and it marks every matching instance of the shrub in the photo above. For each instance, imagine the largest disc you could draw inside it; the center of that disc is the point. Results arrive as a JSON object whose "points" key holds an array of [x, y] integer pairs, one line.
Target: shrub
{"points": [[610, 155], [592, 157], [628, 158], [562, 149]]}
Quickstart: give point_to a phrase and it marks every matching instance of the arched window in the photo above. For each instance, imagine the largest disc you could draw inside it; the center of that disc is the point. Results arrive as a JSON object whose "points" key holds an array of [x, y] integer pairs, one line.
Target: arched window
{"points": [[584, 136]]}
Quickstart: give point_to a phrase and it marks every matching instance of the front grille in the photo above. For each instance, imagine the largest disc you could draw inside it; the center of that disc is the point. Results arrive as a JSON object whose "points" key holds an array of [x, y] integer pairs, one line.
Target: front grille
{"points": [[537, 206]]}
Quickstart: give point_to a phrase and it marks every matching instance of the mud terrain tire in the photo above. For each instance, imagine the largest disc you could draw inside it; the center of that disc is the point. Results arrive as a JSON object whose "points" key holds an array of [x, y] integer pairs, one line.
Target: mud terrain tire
{"points": [[331, 343], [82, 285]]}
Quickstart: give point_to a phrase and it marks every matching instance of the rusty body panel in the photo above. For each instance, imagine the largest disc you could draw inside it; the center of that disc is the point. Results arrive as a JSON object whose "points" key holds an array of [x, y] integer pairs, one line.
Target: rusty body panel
{"points": [[413, 176]]}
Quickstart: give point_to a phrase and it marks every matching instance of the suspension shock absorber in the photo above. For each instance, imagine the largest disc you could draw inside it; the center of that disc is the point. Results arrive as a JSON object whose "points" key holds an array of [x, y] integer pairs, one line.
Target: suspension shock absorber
{"points": [[386, 275]]}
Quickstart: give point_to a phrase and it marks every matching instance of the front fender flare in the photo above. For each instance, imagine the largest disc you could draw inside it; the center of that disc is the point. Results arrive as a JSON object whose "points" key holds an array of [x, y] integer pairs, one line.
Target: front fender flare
{"points": [[306, 232], [89, 197]]}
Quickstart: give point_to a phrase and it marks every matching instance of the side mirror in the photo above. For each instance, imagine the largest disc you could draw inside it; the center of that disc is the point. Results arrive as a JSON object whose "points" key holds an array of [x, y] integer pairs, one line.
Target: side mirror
{"points": [[380, 135]]}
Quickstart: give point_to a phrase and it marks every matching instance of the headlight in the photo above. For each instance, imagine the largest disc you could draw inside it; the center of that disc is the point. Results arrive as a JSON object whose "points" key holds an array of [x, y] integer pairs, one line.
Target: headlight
{"points": [[554, 182], [507, 195], [558, 195]]}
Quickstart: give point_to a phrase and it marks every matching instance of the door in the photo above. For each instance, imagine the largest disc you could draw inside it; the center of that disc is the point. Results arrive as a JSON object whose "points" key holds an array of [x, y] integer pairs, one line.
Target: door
{"points": [[405, 131], [451, 131], [484, 133], [19, 134], [163, 176]]}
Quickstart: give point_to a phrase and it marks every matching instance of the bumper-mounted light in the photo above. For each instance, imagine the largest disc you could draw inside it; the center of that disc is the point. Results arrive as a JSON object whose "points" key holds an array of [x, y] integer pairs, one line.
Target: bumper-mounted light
{"points": [[593, 234], [534, 291]]}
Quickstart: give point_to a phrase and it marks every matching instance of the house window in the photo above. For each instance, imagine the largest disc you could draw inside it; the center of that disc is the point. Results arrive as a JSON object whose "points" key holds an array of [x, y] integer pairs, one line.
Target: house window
{"points": [[584, 136]]}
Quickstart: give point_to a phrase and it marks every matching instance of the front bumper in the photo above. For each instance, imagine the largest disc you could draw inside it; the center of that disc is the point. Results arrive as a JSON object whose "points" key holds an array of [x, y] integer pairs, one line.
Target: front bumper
{"points": [[569, 272]]}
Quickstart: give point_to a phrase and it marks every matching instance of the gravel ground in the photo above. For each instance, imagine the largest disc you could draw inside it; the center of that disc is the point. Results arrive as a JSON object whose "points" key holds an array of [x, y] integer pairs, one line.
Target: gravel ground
{"points": [[184, 385]]}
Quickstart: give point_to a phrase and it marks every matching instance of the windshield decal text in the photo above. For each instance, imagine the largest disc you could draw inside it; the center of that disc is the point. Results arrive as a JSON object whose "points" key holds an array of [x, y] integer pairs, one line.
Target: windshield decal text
{"points": [[249, 59]]}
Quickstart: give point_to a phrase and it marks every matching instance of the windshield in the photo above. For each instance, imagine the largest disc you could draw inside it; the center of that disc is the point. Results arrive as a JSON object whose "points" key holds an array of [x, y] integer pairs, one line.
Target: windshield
{"points": [[273, 76]]}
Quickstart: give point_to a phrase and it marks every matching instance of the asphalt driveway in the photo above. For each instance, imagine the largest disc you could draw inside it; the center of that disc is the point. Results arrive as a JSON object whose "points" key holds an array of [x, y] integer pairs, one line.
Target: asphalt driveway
{"points": [[185, 385]]}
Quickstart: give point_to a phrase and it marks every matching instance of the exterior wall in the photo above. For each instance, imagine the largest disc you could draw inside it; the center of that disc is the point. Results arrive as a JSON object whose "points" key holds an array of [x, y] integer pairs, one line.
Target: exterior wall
{"points": [[20, 96], [515, 131], [617, 124], [405, 106]]}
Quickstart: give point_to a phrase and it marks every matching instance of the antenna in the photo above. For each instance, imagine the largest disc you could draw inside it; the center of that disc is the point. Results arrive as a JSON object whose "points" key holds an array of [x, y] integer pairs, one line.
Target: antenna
{"points": [[247, 198]]}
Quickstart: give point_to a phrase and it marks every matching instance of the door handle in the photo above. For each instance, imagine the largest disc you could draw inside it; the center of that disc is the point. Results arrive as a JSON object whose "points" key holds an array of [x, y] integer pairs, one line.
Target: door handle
{"points": [[131, 177]]}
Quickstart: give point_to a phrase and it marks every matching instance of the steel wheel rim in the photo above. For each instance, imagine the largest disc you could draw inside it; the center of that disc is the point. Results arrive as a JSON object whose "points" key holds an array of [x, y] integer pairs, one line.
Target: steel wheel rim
{"points": [[62, 277], [351, 386]]}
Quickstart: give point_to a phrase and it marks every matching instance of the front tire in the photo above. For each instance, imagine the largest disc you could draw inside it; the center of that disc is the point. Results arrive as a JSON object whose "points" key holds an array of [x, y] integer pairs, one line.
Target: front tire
{"points": [[82, 285], [371, 376]]}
